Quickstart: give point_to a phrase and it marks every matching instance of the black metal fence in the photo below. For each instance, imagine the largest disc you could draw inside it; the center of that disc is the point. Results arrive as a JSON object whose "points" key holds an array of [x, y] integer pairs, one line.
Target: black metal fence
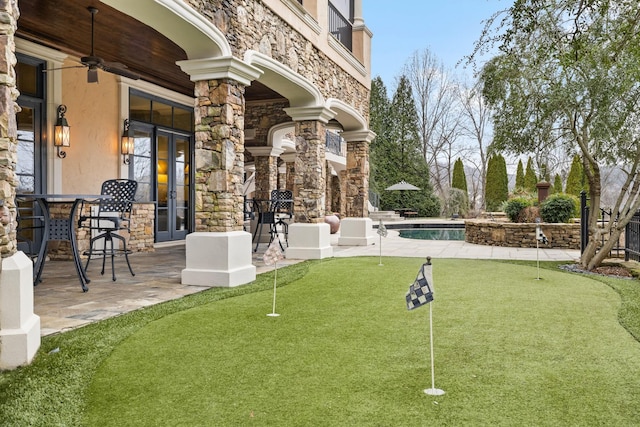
{"points": [[632, 239], [604, 217]]}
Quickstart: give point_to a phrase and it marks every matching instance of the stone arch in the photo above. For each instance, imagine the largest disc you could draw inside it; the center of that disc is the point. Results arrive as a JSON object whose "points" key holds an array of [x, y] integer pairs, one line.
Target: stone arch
{"points": [[346, 115], [180, 23], [277, 137], [298, 90]]}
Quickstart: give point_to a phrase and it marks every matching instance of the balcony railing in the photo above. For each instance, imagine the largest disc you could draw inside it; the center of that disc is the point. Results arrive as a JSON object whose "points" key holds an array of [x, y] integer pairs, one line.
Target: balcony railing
{"points": [[340, 27], [334, 144]]}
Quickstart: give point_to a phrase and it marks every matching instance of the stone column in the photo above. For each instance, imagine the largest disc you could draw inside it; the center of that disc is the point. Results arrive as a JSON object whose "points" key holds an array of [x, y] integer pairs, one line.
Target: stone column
{"points": [[266, 163], [219, 155], [290, 164], [357, 196], [266, 180], [357, 229], [329, 187], [309, 182], [309, 236], [343, 191], [19, 326], [219, 252]]}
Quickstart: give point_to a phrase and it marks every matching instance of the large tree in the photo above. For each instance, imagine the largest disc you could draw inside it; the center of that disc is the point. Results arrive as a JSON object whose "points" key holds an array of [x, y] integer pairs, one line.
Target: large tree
{"points": [[568, 73], [435, 95], [476, 123]]}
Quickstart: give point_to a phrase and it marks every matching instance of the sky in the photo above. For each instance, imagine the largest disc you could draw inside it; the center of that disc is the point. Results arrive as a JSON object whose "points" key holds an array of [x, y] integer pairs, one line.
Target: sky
{"points": [[448, 28]]}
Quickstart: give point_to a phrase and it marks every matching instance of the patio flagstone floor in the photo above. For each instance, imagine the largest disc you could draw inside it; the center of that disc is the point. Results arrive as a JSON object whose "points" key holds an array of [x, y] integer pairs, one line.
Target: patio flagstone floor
{"points": [[61, 304]]}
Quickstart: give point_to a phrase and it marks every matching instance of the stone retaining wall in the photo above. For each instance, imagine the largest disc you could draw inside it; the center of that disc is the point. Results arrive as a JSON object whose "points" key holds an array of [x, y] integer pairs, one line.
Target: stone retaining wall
{"points": [[521, 235]]}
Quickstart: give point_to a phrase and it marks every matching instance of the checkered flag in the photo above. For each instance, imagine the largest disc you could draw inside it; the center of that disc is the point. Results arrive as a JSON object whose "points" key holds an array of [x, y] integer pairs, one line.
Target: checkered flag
{"points": [[420, 291], [273, 254], [382, 230]]}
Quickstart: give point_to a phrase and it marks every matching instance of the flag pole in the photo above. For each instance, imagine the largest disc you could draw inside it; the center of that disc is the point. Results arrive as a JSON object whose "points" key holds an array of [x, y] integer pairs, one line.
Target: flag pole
{"points": [[275, 280], [271, 256], [382, 232], [433, 391]]}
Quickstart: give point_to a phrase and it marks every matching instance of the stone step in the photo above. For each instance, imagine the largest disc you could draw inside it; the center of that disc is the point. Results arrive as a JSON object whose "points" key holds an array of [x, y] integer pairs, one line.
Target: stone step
{"points": [[385, 216]]}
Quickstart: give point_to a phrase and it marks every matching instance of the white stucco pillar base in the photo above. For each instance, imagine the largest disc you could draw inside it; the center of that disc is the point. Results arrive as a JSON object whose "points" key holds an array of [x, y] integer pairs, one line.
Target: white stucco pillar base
{"points": [[356, 232], [218, 259], [309, 241], [19, 326]]}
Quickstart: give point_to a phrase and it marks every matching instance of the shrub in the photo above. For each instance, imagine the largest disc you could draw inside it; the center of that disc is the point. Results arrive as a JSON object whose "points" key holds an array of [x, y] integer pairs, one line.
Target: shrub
{"points": [[514, 206], [529, 214], [558, 208]]}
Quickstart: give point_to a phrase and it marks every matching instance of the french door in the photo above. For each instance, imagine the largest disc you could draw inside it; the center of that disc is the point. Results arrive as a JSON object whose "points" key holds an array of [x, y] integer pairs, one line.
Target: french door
{"points": [[173, 190], [31, 148]]}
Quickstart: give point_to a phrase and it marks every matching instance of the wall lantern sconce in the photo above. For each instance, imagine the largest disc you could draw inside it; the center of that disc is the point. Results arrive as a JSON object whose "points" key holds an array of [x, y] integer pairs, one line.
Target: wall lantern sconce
{"points": [[126, 143], [61, 132]]}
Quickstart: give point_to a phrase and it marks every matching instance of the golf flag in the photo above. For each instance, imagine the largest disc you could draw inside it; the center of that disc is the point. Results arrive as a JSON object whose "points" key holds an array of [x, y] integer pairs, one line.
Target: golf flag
{"points": [[540, 235], [382, 230], [420, 291], [273, 254]]}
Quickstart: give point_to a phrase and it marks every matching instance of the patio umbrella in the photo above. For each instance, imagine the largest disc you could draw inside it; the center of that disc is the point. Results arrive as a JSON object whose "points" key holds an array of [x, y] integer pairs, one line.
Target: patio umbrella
{"points": [[402, 185]]}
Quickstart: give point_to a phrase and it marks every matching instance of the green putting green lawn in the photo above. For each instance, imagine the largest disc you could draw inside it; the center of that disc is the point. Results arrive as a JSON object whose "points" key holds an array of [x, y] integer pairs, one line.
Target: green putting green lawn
{"points": [[509, 350]]}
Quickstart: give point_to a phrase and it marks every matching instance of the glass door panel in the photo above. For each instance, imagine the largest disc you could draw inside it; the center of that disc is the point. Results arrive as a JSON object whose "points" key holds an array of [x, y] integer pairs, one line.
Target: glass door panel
{"points": [[173, 189], [162, 178], [182, 184]]}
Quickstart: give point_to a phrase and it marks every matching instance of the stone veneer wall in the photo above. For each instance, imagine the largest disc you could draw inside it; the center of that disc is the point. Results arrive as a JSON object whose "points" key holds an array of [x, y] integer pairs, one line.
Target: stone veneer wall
{"points": [[262, 116], [250, 25], [9, 14], [521, 235], [141, 238]]}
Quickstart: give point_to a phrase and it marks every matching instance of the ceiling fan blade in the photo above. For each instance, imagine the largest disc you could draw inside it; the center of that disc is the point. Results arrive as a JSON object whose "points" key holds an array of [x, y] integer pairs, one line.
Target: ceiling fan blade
{"points": [[121, 72], [92, 75]]}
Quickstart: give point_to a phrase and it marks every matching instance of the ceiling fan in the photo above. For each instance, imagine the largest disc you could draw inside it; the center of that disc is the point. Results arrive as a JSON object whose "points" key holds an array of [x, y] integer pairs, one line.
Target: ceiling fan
{"points": [[93, 62]]}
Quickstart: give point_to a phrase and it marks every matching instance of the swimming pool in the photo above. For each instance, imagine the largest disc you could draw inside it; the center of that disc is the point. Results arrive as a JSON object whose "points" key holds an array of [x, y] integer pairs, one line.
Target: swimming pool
{"points": [[433, 233]]}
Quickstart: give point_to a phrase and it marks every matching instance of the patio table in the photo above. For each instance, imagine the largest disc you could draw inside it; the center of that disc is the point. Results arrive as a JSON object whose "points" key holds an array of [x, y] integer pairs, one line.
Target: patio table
{"points": [[60, 229]]}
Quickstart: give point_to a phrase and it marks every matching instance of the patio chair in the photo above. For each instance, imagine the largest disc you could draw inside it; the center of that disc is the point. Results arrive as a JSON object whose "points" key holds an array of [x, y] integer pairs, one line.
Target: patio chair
{"points": [[28, 224], [107, 218], [265, 214], [282, 202], [249, 214]]}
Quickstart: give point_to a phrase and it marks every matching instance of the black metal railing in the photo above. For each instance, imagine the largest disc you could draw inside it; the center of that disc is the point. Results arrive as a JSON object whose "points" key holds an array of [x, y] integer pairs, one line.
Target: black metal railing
{"points": [[632, 239], [334, 143], [340, 27]]}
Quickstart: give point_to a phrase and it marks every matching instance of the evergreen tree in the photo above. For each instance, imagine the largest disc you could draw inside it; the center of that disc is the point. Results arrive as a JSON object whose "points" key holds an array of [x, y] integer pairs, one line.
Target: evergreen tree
{"points": [[575, 178], [530, 179], [382, 148], [459, 179], [396, 153], [557, 184], [496, 188], [520, 175], [504, 179]]}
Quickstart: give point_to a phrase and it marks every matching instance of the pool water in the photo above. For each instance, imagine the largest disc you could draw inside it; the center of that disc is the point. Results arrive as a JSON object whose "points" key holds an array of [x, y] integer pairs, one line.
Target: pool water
{"points": [[433, 233]]}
